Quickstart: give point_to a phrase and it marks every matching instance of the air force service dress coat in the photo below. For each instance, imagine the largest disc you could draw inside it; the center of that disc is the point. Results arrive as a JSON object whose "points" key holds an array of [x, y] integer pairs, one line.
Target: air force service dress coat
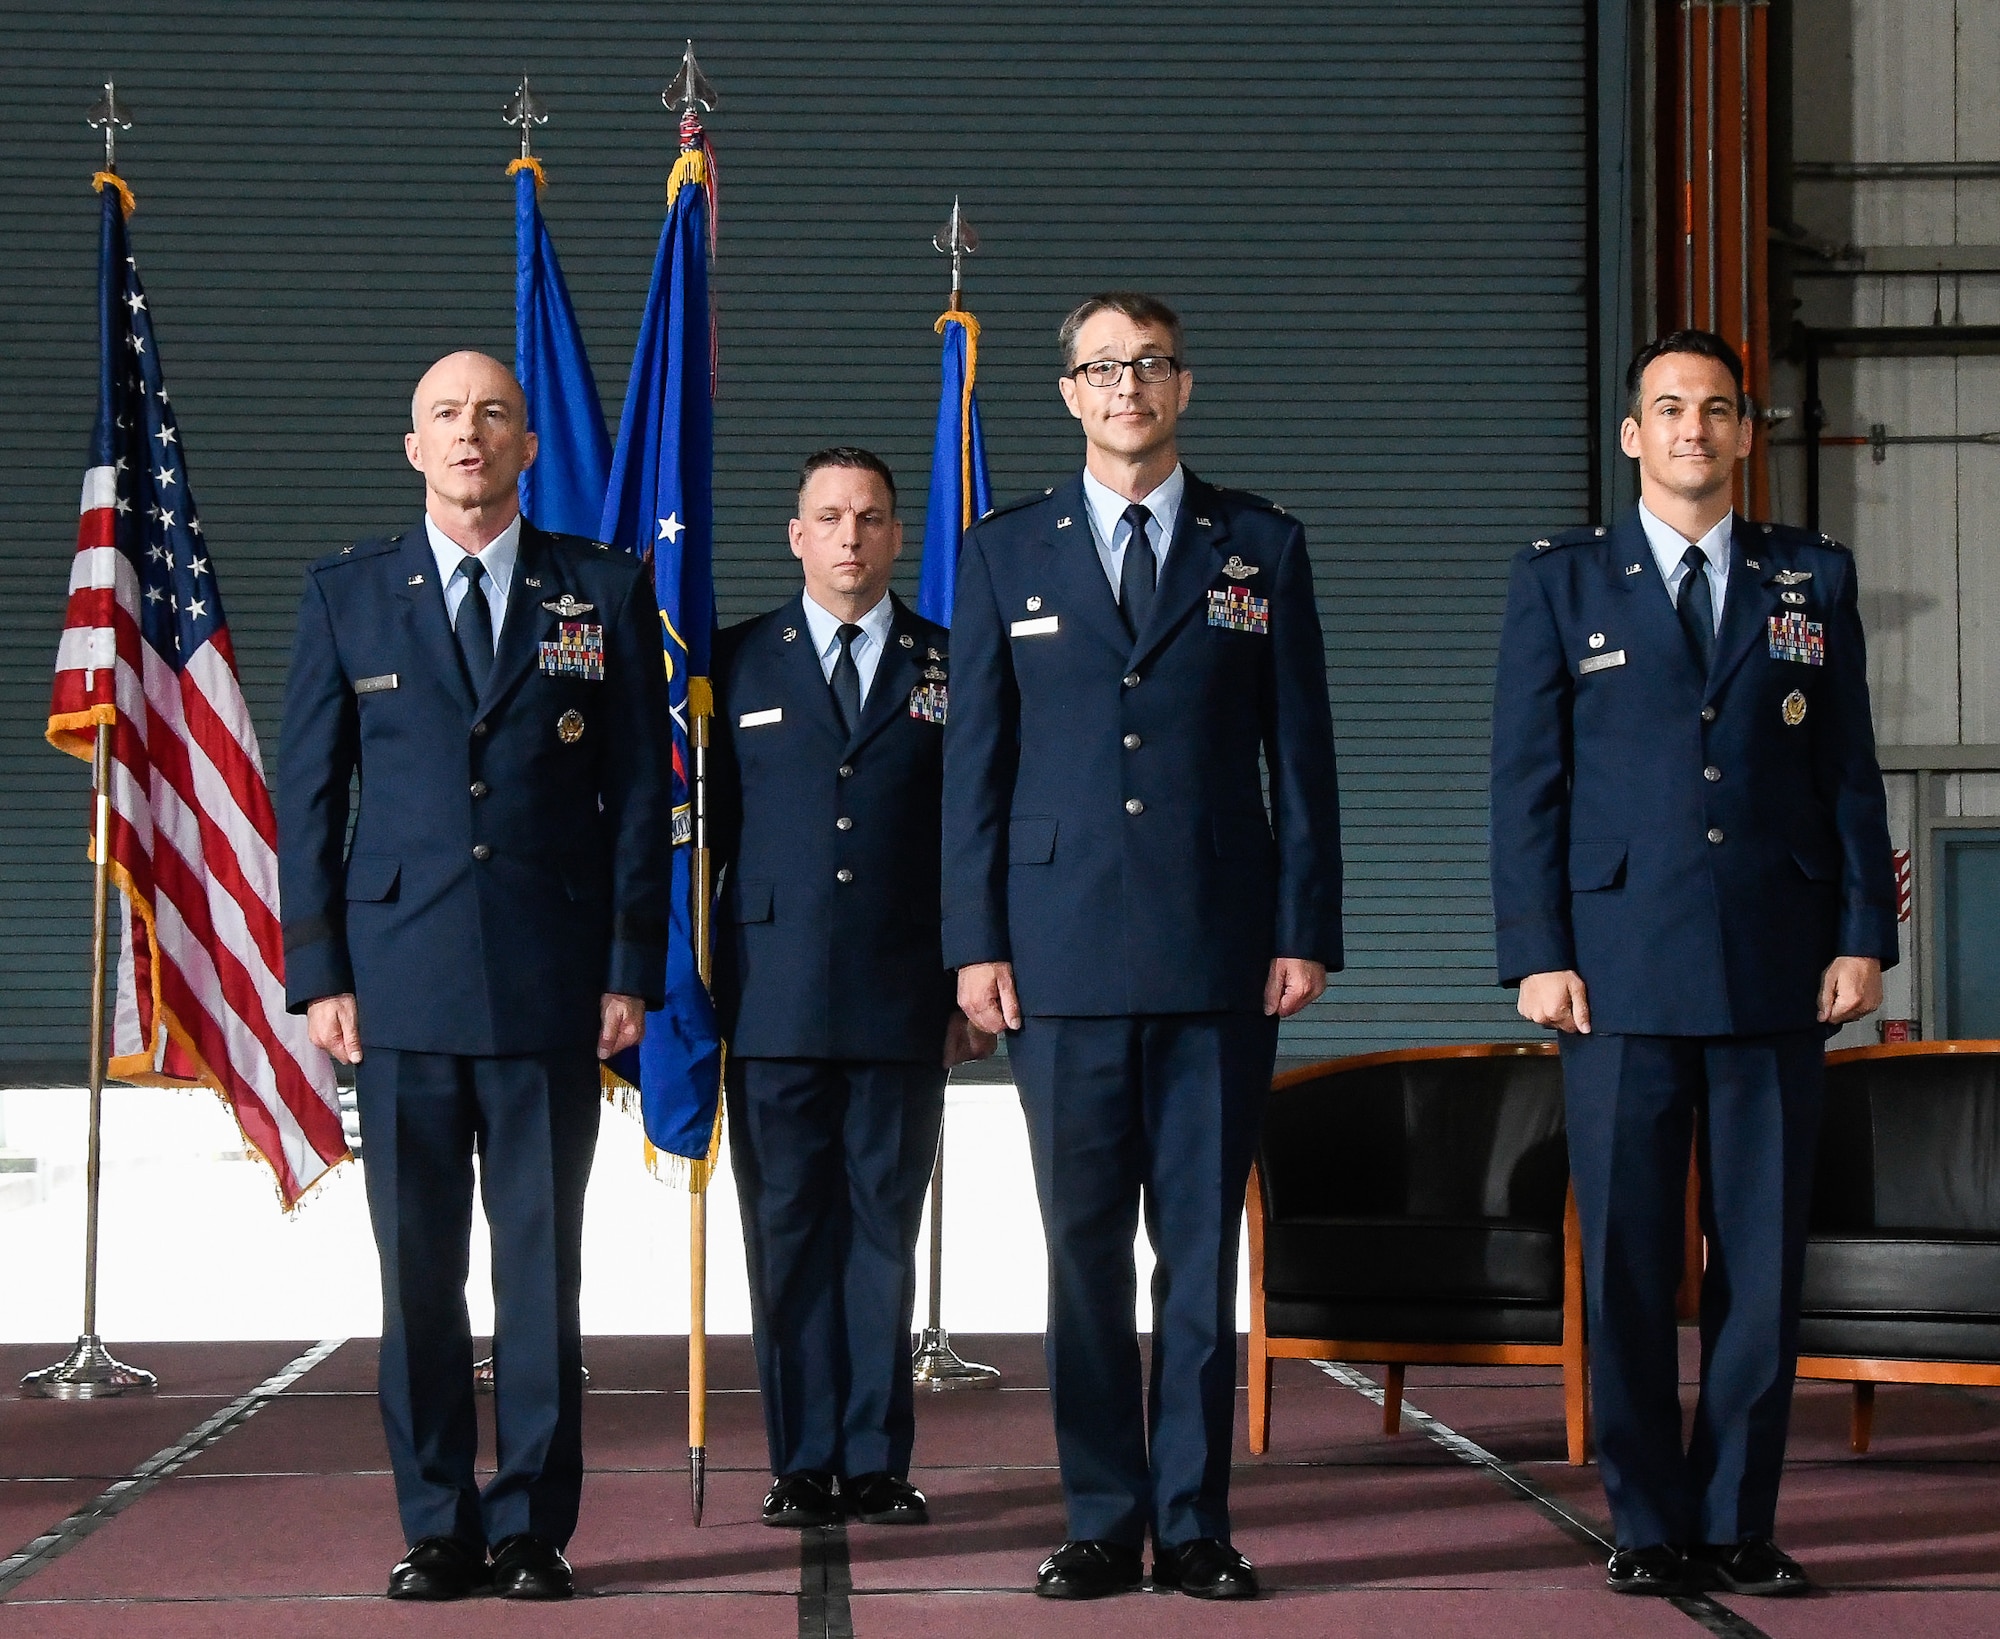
{"points": [[508, 866], [1105, 820]]}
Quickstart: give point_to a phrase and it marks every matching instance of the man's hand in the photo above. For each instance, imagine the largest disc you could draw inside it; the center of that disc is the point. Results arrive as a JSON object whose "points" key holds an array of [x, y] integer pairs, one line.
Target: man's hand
{"points": [[1293, 983], [334, 1023], [1558, 1000], [624, 1022], [1850, 989], [964, 1041], [986, 996]]}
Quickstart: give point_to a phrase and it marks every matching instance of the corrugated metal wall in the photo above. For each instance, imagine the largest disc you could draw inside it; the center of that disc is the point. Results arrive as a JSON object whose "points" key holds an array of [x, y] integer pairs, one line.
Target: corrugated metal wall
{"points": [[1373, 218]]}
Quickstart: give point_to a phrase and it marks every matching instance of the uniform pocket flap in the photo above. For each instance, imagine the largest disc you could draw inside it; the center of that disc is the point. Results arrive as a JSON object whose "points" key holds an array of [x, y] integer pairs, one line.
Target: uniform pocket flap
{"points": [[753, 902], [1031, 840], [372, 876], [1595, 865], [1821, 864]]}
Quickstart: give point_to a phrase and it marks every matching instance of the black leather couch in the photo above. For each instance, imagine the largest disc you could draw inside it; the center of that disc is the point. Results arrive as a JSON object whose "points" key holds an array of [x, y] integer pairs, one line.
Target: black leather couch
{"points": [[1413, 1207], [1902, 1277]]}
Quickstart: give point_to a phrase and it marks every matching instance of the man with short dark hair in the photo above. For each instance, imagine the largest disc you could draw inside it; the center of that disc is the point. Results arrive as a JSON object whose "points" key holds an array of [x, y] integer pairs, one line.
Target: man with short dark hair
{"points": [[1131, 646], [497, 926], [1692, 883], [828, 758]]}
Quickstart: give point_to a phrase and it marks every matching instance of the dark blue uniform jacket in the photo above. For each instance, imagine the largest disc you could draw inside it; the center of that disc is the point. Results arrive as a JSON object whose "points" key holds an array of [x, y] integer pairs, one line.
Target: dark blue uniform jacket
{"points": [[1697, 849], [510, 863], [1105, 822], [828, 913]]}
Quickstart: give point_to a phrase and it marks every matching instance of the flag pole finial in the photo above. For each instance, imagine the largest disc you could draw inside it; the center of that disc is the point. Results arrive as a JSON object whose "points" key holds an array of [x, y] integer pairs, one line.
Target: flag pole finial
{"points": [[692, 96], [526, 110], [956, 240], [111, 116]]}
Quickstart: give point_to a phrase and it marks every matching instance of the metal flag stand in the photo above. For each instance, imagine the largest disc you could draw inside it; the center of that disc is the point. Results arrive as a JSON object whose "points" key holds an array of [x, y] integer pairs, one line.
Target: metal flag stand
{"points": [[89, 1371], [936, 1363]]}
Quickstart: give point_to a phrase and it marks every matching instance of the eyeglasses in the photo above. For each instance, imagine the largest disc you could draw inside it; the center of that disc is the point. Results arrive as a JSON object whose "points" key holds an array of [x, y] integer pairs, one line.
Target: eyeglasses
{"points": [[1153, 369]]}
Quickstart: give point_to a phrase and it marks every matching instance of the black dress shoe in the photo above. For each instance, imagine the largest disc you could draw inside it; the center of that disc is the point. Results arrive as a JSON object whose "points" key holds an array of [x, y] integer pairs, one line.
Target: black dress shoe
{"points": [[439, 1568], [526, 1567], [885, 1499], [1088, 1570], [803, 1501], [1660, 1569], [1206, 1568], [1755, 1565]]}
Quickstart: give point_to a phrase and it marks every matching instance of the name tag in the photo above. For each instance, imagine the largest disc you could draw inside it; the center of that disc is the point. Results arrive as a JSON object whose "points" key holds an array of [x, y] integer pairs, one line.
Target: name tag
{"points": [[375, 685], [757, 719], [1041, 626], [1601, 662]]}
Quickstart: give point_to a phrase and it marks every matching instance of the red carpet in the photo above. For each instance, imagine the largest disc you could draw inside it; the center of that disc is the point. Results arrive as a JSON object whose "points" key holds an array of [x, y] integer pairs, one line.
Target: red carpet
{"points": [[286, 1522]]}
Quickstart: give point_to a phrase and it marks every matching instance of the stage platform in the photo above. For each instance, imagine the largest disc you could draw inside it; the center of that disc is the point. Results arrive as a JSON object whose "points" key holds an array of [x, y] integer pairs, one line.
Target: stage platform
{"points": [[250, 1498]]}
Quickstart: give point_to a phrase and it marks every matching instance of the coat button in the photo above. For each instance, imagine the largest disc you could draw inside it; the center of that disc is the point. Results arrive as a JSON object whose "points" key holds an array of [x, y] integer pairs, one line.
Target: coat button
{"points": [[1708, 714], [843, 824], [1131, 680], [1134, 806], [479, 788], [1132, 742], [843, 875], [481, 851], [1715, 833], [846, 771], [479, 731], [1711, 773]]}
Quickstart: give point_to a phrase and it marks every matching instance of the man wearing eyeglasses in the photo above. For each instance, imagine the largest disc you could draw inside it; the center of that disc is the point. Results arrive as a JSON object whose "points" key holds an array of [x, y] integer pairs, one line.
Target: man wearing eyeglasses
{"points": [[1132, 648]]}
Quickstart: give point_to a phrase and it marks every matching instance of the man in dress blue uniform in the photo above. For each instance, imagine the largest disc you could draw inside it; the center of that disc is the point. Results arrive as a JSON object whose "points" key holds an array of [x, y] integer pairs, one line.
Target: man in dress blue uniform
{"points": [[1692, 882], [497, 927], [828, 766], [1128, 646]]}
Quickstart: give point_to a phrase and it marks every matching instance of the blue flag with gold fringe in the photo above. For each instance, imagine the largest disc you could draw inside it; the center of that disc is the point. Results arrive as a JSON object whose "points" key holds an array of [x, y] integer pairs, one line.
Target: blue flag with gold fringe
{"points": [[659, 504], [564, 490], [960, 488]]}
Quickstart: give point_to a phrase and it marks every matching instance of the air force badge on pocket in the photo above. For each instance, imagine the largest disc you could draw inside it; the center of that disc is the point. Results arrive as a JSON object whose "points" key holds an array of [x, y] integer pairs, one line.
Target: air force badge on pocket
{"points": [[1235, 610], [576, 651], [1793, 637]]}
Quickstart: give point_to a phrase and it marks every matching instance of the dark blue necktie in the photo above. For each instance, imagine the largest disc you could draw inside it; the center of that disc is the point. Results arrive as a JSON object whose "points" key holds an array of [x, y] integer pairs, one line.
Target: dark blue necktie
{"points": [[846, 680], [474, 630], [1139, 573], [1696, 607]]}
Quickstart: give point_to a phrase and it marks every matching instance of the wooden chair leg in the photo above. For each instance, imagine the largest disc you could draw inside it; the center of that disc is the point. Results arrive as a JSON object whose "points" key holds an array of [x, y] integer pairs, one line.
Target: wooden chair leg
{"points": [[1575, 1351], [1260, 1393], [1392, 1400], [1576, 1409], [1861, 1420]]}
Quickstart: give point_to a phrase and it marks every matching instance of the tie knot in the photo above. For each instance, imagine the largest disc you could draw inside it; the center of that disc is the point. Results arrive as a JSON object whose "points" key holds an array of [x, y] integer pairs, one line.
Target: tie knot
{"points": [[1138, 517], [1694, 559], [847, 634], [471, 571]]}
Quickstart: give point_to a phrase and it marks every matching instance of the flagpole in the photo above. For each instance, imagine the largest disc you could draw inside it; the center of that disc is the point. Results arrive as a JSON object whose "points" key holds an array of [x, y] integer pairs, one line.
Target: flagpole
{"points": [[936, 1363]]}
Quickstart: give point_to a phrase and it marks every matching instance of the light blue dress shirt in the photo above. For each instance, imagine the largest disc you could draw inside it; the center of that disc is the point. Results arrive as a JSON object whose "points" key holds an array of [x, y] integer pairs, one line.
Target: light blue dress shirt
{"points": [[1670, 547], [1111, 532], [868, 647], [497, 559]]}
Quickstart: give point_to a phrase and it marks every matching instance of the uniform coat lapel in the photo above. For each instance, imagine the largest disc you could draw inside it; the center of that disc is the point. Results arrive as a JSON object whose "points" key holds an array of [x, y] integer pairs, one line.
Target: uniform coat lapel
{"points": [[1191, 566], [896, 673], [803, 681], [424, 613], [1652, 606], [1076, 590], [1747, 606], [527, 622]]}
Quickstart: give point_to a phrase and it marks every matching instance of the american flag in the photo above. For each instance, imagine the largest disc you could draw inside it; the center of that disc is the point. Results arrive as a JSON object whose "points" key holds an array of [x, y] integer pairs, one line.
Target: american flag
{"points": [[145, 653]]}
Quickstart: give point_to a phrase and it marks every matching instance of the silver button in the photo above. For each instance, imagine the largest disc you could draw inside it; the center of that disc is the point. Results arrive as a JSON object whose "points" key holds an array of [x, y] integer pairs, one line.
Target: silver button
{"points": [[481, 851], [1708, 714], [479, 731], [843, 824], [846, 770], [1711, 773], [479, 788], [1715, 833], [1131, 680], [843, 875], [1134, 806], [1132, 742]]}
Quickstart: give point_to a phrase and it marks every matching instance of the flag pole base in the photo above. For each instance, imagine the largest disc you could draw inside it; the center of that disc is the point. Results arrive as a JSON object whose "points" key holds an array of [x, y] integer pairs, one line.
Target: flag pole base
{"points": [[937, 1365], [87, 1372], [697, 1478]]}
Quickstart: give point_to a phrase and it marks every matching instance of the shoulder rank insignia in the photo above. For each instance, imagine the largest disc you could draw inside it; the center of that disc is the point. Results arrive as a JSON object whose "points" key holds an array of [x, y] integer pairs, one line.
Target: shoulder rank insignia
{"points": [[568, 607], [1237, 569], [576, 651], [1792, 577]]}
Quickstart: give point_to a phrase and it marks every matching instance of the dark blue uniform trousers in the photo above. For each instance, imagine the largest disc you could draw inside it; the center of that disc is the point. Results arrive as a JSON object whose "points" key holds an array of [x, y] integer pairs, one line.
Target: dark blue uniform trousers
{"points": [[1751, 1105], [831, 1159], [532, 1121], [1161, 1110]]}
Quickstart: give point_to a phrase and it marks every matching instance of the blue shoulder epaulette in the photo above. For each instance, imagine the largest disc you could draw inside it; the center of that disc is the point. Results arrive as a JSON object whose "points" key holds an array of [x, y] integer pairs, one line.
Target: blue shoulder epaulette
{"points": [[1244, 497], [1556, 540], [1799, 535], [1016, 504], [373, 547]]}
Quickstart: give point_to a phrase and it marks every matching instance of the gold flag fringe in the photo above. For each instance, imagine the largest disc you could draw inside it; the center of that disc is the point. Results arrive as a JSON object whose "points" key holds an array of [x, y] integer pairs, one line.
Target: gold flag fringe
{"points": [[528, 162], [111, 179]]}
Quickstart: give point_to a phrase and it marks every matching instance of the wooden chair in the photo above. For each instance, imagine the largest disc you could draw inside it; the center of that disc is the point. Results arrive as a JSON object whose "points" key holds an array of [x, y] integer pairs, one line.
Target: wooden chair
{"points": [[1902, 1277], [1414, 1207]]}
